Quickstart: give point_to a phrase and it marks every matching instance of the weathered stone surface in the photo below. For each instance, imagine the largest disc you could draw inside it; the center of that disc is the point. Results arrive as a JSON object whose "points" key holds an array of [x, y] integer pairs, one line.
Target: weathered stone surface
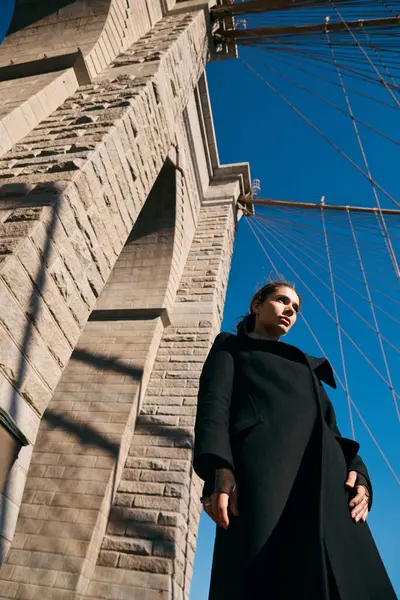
{"points": [[128, 545], [94, 220]]}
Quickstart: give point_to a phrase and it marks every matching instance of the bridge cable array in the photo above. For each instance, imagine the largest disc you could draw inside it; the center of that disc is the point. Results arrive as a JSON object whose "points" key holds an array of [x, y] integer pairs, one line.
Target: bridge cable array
{"points": [[284, 231]]}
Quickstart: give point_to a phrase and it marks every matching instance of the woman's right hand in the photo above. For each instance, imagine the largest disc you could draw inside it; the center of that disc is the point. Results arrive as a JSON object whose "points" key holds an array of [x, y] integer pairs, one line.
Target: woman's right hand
{"points": [[216, 507]]}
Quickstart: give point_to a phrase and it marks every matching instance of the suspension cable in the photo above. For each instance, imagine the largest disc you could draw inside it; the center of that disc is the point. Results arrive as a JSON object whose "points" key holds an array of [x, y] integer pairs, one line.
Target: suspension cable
{"points": [[335, 373], [341, 281], [391, 469], [382, 80], [289, 223], [375, 49], [332, 318], [378, 332], [319, 76], [323, 135], [339, 333], [328, 102], [354, 73], [383, 225], [302, 243]]}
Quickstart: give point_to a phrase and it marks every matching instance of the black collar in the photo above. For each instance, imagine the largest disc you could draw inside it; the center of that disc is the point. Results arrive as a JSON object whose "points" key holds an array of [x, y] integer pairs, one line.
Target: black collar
{"points": [[321, 366]]}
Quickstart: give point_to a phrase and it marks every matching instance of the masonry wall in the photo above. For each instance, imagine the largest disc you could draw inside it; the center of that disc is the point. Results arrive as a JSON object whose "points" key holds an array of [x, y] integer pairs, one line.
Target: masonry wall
{"points": [[71, 192], [94, 493], [54, 47], [116, 229], [86, 430], [151, 535]]}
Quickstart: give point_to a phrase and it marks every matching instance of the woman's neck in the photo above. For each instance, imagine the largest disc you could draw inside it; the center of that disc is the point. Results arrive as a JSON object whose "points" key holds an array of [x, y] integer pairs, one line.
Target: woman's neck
{"points": [[265, 334]]}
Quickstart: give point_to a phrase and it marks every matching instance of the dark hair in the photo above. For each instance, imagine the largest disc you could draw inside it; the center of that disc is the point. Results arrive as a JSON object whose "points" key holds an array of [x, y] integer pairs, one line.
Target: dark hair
{"points": [[248, 321]]}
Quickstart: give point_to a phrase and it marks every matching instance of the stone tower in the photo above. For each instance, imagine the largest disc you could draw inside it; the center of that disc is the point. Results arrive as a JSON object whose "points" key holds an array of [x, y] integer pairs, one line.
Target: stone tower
{"points": [[116, 232]]}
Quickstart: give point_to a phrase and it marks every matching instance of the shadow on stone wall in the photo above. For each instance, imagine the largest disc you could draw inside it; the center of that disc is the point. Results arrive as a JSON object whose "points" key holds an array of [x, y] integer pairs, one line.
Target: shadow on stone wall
{"points": [[27, 12], [107, 363], [86, 434], [123, 523], [50, 192]]}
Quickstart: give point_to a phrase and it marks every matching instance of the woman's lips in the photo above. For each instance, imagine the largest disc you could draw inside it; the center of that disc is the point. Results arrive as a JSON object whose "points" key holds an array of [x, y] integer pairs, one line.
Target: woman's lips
{"points": [[285, 320]]}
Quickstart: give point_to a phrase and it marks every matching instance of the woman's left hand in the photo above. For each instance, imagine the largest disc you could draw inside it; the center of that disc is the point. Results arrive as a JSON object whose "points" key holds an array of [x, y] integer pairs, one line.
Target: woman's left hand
{"points": [[360, 499]]}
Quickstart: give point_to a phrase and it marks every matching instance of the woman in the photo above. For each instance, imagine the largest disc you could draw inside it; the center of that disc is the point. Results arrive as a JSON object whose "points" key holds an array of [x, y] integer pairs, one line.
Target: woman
{"points": [[290, 495]]}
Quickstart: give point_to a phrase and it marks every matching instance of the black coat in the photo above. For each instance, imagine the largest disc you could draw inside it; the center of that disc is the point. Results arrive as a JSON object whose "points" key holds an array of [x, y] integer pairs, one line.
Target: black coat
{"points": [[262, 411]]}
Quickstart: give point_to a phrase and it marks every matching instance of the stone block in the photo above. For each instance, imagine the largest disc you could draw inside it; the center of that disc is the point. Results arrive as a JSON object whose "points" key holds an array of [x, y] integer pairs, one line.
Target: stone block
{"points": [[27, 525], [8, 589], [176, 491], [84, 501], [163, 476], [86, 474], [14, 487], [128, 545], [45, 544], [165, 549], [19, 540], [76, 547], [32, 576], [138, 487], [67, 580], [5, 140], [74, 531], [55, 513], [145, 563], [69, 460], [15, 125], [107, 559], [9, 512], [28, 510], [157, 502], [87, 517], [147, 463]]}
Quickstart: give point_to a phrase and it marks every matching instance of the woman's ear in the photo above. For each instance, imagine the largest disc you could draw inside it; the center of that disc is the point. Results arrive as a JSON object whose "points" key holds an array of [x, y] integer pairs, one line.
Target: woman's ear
{"points": [[255, 307]]}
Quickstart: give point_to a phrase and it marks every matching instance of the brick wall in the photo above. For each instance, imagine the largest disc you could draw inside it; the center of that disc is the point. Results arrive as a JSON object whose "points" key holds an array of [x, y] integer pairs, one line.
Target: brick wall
{"points": [[148, 550], [85, 460], [71, 192], [86, 431], [45, 38], [70, 195], [105, 513]]}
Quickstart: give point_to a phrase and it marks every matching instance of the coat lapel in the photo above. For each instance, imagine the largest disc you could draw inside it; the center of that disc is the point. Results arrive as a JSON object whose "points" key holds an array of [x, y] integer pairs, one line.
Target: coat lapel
{"points": [[323, 370]]}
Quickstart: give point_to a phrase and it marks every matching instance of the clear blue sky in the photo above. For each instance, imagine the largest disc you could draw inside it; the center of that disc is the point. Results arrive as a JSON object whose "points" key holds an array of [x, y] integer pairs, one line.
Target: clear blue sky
{"points": [[6, 11], [292, 162]]}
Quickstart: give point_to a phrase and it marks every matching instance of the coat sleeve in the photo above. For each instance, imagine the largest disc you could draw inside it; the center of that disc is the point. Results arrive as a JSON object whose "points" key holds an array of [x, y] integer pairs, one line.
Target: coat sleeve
{"points": [[212, 446], [355, 463]]}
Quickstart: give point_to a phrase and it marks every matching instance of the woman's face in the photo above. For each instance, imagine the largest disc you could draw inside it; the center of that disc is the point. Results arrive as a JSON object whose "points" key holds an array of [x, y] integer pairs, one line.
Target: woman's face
{"points": [[278, 313]]}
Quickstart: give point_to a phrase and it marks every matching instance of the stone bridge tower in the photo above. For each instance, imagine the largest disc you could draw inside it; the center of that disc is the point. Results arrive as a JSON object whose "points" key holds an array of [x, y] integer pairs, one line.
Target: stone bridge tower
{"points": [[116, 231]]}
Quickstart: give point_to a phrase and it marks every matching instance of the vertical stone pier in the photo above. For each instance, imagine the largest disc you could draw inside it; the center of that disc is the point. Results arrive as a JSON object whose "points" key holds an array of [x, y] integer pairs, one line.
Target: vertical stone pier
{"points": [[117, 223]]}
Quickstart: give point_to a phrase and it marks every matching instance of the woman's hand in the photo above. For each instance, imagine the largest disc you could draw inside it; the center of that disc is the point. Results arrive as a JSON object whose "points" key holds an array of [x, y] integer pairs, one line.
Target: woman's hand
{"points": [[217, 507], [360, 499]]}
